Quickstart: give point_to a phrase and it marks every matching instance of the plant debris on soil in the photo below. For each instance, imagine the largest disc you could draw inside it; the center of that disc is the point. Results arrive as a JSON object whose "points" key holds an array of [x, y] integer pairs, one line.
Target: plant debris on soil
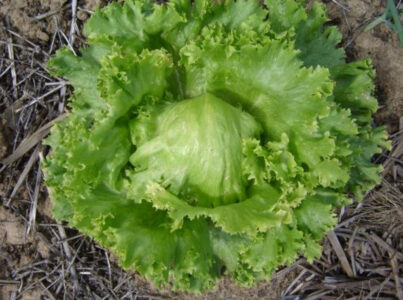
{"points": [[42, 259]]}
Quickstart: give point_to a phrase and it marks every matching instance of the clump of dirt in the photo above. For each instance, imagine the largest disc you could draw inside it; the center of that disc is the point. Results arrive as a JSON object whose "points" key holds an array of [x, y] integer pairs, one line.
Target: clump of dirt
{"points": [[38, 20], [11, 229], [17, 250], [21, 14], [381, 44]]}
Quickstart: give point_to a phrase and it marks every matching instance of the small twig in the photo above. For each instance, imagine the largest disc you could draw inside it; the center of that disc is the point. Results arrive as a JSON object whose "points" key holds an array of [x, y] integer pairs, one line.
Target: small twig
{"points": [[385, 245], [122, 282], [73, 20], [73, 259], [35, 100], [88, 11], [20, 47], [27, 76], [48, 293], [109, 268], [67, 251], [25, 40], [351, 251], [318, 294], [341, 214], [395, 271], [31, 265], [6, 70], [288, 269], [32, 213], [7, 282], [40, 279], [340, 253], [68, 42], [345, 8], [51, 13], [31, 141], [347, 222], [23, 175], [70, 238], [346, 19], [10, 49], [294, 282], [52, 43], [377, 289]]}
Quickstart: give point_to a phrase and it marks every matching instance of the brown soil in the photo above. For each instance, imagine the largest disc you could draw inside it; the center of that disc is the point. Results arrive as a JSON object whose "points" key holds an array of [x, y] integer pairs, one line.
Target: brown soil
{"points": [[43, 258], [18, 250], [17, 14]]}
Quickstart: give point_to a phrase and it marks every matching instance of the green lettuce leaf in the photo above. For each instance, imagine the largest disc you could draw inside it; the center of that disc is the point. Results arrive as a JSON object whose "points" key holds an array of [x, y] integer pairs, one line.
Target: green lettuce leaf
{"points": [[208, 137]]}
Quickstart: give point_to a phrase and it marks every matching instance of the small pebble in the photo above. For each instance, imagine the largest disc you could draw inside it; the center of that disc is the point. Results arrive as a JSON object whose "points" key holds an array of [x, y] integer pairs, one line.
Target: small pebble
{"points": [[42, 36], [82, 15]]}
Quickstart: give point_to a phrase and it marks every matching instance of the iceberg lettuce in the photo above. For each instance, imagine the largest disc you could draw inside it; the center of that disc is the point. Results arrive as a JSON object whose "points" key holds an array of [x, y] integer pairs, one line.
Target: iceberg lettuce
{"points": [[211, 136]]}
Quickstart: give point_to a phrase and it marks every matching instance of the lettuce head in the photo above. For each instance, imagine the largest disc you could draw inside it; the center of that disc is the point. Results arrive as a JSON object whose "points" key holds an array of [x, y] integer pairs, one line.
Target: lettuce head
{"points": [[211, 137]]}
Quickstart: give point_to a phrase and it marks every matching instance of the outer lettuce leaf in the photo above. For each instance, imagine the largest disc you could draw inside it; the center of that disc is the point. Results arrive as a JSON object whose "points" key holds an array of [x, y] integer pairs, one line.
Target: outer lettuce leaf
{"points": [[279, 246], [211, 136], [318, 43]]}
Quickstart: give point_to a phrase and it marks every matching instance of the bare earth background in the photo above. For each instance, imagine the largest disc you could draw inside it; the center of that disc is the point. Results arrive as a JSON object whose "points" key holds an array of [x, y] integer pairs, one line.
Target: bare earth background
{"points": [[40, 259]]}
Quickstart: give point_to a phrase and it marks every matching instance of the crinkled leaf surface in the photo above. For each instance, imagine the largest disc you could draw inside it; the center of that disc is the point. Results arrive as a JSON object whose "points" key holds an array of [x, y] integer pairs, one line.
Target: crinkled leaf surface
{"points": [[207, 136]]}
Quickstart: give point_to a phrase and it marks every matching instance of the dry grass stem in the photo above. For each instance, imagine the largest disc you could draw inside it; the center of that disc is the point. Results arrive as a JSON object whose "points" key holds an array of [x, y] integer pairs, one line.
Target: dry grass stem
{"points": [[27, 168], [73, 21], [31, 141], [32, 213], [340, 253]]}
